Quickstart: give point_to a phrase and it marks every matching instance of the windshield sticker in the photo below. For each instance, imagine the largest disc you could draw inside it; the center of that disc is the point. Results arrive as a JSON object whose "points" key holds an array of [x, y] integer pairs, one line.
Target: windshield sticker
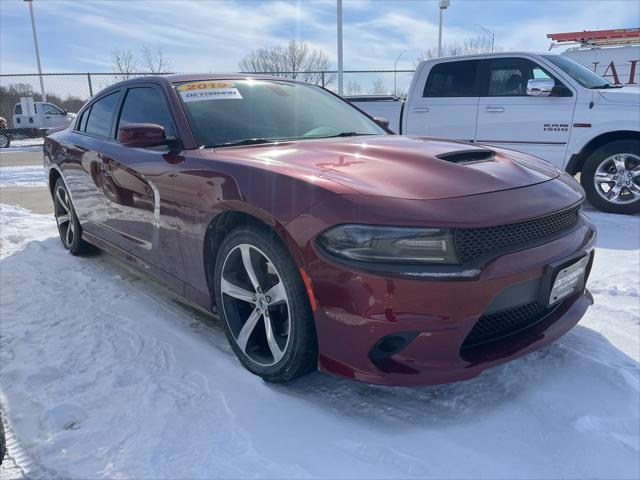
{"points": [[195, 91]]}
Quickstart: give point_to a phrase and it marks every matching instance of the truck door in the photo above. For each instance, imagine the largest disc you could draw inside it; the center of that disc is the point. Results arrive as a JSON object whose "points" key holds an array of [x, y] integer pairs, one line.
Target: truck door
{"points": [[508, 117], [53, 116], [444, 101]]}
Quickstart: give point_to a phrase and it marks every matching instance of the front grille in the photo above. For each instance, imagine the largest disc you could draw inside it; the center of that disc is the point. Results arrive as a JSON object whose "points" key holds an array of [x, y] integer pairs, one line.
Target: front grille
{"points": [[473, 243], [497, 325]]}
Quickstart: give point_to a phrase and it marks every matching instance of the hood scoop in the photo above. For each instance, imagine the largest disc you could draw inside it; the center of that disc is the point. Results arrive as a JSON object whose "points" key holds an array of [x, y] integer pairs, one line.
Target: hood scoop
{"points": [[468, 156]]}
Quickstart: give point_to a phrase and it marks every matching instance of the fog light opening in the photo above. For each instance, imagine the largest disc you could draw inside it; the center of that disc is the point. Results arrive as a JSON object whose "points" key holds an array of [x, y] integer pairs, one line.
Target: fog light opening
{"points": [[391, 344]]}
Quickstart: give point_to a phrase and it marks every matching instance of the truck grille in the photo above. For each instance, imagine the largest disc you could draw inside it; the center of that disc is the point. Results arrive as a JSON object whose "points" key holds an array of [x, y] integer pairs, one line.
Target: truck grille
{"points": [[500, 324], [473, 243]]}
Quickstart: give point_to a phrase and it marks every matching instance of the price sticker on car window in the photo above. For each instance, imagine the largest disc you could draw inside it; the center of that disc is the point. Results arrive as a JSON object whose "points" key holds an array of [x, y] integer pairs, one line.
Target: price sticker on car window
{"points": [[206, 90]]}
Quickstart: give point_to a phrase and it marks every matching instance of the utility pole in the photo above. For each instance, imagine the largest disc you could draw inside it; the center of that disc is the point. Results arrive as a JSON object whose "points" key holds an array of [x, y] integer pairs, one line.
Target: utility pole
{"points": [[339, 19], [444, 4], [395, 73], [35, 43], [488, 32]]}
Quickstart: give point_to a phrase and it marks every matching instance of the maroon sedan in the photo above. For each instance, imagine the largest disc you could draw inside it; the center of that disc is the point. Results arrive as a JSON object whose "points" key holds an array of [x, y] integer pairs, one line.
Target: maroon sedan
{"points": [[318, 237]]}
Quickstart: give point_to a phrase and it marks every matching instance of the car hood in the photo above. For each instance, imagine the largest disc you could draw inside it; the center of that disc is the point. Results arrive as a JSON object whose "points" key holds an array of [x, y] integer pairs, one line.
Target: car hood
{"points": [[622, 96], [398, 166]]}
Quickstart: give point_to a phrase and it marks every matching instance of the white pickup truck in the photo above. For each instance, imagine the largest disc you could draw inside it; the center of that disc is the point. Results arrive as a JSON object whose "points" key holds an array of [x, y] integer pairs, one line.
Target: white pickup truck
{"points": [[545, 105]]}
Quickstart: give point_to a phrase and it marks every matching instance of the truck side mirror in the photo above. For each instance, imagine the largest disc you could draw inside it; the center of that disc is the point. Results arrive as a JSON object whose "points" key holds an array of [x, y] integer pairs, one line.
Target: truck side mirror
{"points": [[540, 87]]}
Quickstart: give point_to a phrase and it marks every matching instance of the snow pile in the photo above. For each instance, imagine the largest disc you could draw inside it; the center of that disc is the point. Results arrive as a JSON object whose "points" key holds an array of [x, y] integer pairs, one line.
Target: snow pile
{"points": [[105, 374], [26, 176]]}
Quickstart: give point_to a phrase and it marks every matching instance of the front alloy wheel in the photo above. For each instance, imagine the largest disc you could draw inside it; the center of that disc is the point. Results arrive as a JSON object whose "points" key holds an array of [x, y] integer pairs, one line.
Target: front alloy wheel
{"points": [[617, 178], [255, 304], [265, 306], [611, 177]]}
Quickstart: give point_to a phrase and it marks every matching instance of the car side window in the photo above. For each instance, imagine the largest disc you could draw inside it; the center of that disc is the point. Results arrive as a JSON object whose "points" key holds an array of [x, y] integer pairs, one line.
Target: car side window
{"points": [[100, 117], [452, 79], [146, 105], [508, 77]]}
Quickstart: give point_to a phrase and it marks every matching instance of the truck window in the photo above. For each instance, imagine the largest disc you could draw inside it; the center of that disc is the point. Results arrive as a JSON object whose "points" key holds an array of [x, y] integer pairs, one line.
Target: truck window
{"points": [[452, 79], [101, 115], [49, 109], [18, 109], [146, 105], [508, 77]]}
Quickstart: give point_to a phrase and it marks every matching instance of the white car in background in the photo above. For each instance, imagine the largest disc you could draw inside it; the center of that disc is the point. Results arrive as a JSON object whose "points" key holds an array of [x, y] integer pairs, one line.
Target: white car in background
{"points": [[545, 105]]}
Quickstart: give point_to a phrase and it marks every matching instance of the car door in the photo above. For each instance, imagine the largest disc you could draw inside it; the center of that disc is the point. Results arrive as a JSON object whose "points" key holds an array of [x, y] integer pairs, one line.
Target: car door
{"points": [[508, 117], [138, 182], [80, 163], [447, 104]]}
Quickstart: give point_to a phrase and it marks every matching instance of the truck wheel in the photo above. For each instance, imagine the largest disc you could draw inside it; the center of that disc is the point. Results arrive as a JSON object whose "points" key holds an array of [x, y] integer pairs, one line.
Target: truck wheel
{"points": [[611, 177], [5, 141]]}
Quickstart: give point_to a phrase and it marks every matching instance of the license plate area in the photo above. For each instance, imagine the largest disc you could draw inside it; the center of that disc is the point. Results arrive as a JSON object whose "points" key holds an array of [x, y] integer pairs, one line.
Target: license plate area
{"points": [[563, 279]]}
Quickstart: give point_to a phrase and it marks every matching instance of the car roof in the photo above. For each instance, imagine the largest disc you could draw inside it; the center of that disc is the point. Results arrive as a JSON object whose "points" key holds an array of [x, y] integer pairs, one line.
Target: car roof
{"points": [[194, 77]]}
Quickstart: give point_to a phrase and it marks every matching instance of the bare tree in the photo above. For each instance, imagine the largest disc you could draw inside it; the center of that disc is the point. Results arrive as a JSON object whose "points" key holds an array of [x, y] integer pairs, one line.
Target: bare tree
{"points": [[124, 62], [377, 88], [154, 61], [352, 87], [465, 47], [295, 60]]}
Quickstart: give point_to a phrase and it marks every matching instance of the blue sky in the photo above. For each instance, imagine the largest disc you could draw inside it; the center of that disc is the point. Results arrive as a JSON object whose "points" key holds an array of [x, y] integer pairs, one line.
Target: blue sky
{"points": [[198, 35]]}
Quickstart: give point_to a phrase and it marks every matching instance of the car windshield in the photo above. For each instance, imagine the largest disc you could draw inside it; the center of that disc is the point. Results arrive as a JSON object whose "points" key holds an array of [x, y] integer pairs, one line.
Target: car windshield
{"points": [[243, 112], [579, 73]]}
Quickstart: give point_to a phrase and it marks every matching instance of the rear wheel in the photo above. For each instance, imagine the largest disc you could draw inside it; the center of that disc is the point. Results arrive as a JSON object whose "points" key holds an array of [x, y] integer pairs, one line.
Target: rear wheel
{"points": [[68, 224], [264, 305], [611, 177], [5, 141]]}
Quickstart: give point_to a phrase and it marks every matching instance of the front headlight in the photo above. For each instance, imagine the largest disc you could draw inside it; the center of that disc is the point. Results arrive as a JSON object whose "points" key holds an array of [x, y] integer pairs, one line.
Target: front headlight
{"points": [[406, 245]]}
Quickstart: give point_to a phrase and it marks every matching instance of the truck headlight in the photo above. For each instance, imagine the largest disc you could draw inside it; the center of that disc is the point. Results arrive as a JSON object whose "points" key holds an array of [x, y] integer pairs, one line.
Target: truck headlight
{"points": [[406, 245]]}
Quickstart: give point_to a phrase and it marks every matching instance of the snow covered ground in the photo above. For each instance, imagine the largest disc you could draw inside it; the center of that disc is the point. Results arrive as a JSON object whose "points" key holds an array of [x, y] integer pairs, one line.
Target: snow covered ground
{"points": [[23, 176], [26, 145], [104, 373]]}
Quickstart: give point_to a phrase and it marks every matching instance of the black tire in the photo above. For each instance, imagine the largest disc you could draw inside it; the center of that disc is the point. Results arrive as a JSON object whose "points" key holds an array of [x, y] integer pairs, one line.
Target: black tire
{"points": [[301, 351], [76, 245], [5, 140], [3, 442], [587, 177]]}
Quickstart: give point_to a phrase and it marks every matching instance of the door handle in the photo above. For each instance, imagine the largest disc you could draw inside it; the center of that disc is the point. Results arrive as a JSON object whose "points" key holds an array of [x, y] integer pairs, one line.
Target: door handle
{"points": [[420, 109], [493, 108]]}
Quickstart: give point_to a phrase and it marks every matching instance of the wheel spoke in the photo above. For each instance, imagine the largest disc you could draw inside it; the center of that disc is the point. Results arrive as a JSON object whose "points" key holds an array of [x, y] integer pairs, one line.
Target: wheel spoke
{"points": [[271, 340], [635, 190], [69, 236], [247, 329], [635, 172], [235, 291], [604, 177], [62, 201], [619, 162], [245, 251], [614, 192], [62, 219], [276, 294]]}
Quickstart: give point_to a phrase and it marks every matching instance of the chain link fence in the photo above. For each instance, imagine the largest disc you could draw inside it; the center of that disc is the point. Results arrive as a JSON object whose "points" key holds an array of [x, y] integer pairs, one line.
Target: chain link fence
{"points": [[69, 91]]}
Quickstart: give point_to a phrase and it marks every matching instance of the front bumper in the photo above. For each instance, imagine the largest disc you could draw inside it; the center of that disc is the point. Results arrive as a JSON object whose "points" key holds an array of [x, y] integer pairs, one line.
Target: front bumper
{"points": [[356, 309]]}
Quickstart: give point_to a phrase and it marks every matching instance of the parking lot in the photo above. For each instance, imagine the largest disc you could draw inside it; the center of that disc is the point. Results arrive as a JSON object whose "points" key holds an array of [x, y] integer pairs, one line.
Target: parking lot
{"points": [[100, 358]]}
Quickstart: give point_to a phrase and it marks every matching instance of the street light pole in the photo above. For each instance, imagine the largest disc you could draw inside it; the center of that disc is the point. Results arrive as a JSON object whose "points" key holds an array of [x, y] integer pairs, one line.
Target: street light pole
{"points": [[444, 4], [488, 32], [395, 73], [35, 43], [340, 72]]}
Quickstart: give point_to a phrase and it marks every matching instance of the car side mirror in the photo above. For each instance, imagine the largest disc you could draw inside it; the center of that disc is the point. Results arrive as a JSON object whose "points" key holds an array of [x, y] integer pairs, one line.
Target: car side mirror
{"points": [[142, 135], [383, 122], [540, 87]]}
